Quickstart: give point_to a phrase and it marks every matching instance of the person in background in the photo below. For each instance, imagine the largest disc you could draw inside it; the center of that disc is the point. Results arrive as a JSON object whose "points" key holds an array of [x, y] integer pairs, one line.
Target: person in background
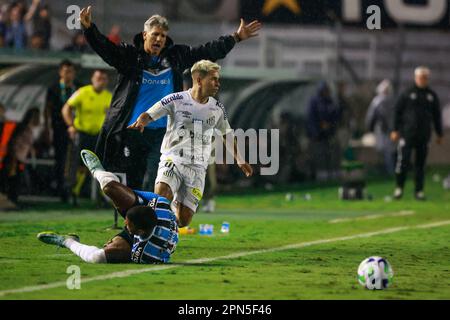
{"points": [[417, 111], [114, 35], [78, 44], [57, 95], [379, 120], [16, 35], [2, 118], [323, 116], [89, 104], [41, 22], [19, 147]]}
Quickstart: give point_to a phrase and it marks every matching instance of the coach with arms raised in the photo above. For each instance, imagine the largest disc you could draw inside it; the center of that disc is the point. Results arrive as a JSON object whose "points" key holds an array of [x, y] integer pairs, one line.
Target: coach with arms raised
{"points": [[148, 71]]}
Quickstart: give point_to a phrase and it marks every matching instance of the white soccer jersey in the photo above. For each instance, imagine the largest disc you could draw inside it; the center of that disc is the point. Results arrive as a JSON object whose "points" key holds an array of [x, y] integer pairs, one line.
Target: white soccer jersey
{"points": [[190, 127]]}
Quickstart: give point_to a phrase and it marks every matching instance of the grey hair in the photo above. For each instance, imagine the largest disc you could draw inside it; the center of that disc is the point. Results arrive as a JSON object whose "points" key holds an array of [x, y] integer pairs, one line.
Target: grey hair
{"points": [[422, 70], [156, 21]]}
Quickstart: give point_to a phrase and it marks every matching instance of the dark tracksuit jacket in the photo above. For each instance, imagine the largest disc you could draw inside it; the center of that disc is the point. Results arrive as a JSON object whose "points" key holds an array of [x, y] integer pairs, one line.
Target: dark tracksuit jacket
{"points": [[416, 113], [130, 61]]}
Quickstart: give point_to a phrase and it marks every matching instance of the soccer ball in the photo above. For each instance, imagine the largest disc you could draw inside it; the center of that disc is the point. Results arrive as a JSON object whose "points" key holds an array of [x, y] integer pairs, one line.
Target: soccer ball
{"points": [[375, 273]]}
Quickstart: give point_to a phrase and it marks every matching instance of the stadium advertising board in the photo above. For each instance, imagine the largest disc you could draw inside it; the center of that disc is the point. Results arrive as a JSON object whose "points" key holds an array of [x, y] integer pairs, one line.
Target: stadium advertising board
{"points": [[412, 13]]}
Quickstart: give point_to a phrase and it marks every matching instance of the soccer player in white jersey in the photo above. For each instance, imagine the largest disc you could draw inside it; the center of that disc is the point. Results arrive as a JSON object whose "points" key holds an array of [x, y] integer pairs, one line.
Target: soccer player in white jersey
{"points": [[193, 116]]}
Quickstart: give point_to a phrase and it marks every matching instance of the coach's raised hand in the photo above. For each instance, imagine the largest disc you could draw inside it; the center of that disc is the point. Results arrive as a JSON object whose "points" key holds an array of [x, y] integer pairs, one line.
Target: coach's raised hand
{"points": [[247, 31], [86, 17], [143, 120]]}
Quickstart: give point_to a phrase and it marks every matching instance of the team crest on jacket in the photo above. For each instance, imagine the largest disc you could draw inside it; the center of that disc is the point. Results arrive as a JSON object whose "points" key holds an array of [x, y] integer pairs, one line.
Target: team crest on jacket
{"points": [[430, 97]]}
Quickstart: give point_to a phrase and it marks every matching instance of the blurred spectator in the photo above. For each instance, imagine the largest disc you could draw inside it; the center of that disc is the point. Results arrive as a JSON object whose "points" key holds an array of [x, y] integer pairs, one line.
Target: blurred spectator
{"points": [[3, 20], [289, 146], [37, 42], [57, 95], [2, 118], [89, 104], [380, 120], [19, 147], [417, 111], [114, 35], [323, 116], [41, 24], [16, 35], [446, 116], [78, 44]]}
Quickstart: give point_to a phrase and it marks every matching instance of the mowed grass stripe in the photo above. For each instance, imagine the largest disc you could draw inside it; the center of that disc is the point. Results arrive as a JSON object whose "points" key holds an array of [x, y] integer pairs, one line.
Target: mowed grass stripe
{"points": [[127, 273]]}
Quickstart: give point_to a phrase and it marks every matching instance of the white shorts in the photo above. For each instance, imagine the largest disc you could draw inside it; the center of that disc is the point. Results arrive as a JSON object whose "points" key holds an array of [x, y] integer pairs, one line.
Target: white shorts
{"points": [[187, 183]]}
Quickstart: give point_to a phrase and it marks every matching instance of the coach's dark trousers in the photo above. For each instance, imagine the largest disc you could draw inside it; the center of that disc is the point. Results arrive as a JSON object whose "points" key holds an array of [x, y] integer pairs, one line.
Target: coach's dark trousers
{"points": [[132, 156], [404, 152]]}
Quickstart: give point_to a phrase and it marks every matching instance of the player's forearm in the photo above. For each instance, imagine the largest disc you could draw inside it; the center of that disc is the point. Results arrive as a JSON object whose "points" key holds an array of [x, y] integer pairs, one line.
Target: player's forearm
{"points": [[231, 146], [145, 118]]}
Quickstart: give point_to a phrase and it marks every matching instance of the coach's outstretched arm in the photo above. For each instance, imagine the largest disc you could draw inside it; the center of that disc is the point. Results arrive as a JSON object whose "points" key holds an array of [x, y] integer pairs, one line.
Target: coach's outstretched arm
{"points": [[115, 56], [218, 49]]}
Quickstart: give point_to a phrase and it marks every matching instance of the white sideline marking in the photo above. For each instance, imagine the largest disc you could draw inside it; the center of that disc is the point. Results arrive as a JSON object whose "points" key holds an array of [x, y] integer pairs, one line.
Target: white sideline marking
{"points": [[374, 216], [123, 274]]}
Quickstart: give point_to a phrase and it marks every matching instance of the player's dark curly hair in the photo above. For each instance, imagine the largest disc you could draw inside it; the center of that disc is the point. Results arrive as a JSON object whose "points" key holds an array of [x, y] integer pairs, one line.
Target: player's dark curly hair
{"points": [[143, 218]]}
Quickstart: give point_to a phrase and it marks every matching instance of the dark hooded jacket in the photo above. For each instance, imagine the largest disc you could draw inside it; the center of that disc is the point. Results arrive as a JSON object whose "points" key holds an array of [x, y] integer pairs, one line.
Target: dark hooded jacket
{"points": [[130, 61], [322, 110]]}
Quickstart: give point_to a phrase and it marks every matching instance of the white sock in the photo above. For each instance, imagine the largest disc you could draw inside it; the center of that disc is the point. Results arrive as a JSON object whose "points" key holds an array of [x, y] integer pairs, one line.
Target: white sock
{"points": [[105, 177], [88, 254]]}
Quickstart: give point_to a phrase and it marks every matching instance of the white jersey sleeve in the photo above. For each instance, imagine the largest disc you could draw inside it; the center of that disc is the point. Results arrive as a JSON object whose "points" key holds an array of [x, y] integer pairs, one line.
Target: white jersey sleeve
{"points": [[164, 107], [223, 125], [157, 111]]}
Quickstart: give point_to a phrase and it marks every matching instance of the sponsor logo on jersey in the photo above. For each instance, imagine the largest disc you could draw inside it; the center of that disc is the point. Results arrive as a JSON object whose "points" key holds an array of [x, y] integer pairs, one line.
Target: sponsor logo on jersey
{"points": [[211, 121], [185, 114], [136, 255], [197, 194], [171, 98], [162, 82]]}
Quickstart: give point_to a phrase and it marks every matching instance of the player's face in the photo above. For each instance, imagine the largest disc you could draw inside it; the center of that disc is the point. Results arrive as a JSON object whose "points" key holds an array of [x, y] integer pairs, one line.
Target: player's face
{"points": [[422, 80], [99, 81], [154, 40], [130, 226], [67, 74], [211, 84]]}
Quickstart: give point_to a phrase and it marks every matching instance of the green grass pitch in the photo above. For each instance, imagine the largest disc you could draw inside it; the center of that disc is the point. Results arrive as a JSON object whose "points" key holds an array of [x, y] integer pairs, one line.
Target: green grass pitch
{"points": [[332, 238]]}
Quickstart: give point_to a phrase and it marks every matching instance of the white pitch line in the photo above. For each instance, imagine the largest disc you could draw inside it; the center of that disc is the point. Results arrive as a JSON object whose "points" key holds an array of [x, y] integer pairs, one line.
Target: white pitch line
{"points": [[374, 216], [127, 273]]}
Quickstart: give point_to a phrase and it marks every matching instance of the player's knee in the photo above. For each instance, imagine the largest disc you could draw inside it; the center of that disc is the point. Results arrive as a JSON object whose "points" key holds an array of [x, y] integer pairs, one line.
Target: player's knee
{"points": [[98, 256], [185, 218], [164, 190]]}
